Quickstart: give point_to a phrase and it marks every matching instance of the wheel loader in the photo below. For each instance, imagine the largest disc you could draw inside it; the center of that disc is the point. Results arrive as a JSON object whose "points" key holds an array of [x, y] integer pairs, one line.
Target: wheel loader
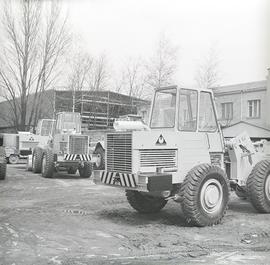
{"points": [[67, 149], [181, 155]]}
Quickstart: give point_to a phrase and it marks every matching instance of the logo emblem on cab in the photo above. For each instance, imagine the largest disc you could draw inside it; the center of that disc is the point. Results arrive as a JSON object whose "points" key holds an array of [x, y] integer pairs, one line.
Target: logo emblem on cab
{"points": [[161, 140]]}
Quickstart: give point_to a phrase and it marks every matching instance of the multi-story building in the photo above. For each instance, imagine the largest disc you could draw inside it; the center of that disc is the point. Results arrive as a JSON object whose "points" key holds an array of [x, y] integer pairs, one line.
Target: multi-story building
{"points": [[245, 107]]}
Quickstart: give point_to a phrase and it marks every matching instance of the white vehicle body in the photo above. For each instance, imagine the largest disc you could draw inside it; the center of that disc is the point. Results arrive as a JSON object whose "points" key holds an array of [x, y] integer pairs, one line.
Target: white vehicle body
{"points": [[167, 150]]}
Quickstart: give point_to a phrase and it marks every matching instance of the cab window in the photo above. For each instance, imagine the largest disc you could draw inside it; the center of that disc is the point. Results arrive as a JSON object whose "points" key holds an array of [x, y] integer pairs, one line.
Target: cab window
{"points": [[163, 114], [207, 119], [188, 110]]}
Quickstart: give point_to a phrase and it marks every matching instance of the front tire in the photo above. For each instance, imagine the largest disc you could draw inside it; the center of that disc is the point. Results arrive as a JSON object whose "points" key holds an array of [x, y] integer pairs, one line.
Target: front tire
{"points": [[86, 171], [205, 195], [3, 164], [37, 160], [47, 164], [258, 186], [145, 203]]}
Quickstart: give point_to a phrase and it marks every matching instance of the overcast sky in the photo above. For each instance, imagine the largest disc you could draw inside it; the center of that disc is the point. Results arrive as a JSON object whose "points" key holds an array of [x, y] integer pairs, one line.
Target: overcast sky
{"points": [[237, 29]]}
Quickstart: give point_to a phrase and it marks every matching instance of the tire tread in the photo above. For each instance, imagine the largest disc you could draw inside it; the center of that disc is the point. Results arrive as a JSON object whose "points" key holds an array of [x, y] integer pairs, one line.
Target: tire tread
{"points": [[145, 203], [255, 186], [189, 193]]}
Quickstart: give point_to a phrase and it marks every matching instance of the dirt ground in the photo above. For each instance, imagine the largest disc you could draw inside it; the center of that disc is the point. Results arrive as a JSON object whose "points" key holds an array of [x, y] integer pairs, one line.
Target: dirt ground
{"points": [[68, 220]]}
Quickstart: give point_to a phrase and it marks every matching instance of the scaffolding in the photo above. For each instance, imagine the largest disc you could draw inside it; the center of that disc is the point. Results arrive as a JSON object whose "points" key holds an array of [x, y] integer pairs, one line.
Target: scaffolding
{"points": [[98, 109]]}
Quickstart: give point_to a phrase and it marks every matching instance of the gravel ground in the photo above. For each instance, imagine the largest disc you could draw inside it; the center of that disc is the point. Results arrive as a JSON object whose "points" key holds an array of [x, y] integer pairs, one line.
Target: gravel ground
{"points": [[68, 220]]}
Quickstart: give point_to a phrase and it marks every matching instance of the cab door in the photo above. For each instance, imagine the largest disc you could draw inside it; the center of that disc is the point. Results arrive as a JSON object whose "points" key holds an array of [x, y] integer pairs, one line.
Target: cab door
{"points": [[193, 147], [209, 126]]}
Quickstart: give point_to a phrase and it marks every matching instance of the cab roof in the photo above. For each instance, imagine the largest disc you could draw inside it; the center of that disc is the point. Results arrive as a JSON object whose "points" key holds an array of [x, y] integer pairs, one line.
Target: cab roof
{"points": [[178, 87]]}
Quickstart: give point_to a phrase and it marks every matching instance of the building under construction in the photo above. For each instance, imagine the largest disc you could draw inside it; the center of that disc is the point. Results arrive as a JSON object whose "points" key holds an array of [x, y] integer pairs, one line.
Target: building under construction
{"points": [[99, 108]]}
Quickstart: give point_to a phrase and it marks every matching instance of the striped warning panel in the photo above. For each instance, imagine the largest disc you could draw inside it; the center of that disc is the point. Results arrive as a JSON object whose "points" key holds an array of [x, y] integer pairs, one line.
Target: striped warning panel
{"points": [[118, 179], [77, 157]]}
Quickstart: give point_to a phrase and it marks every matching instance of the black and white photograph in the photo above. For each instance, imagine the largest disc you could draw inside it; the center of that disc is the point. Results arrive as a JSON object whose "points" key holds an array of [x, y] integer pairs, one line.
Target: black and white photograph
{"points": [[134, 132]]}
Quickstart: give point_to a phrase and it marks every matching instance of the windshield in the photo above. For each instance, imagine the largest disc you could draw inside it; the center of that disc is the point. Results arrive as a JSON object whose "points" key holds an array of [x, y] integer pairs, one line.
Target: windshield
{"points": [[163, 114], [68, 122], [45, 127]]}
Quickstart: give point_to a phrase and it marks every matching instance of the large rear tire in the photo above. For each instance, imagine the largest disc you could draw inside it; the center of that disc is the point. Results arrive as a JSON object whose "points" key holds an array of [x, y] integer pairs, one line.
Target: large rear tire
{"points": [[86, 171], [145, 203], [258, 186], [3, 163], [37, 160], [205, 195], [47, 164]]}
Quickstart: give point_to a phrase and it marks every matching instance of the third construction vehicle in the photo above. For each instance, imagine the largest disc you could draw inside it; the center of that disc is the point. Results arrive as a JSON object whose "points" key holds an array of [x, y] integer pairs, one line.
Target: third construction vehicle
{"points": [[67, 149]]}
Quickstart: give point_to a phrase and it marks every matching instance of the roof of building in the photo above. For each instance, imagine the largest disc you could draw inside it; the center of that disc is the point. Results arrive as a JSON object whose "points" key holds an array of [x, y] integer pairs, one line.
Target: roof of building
{"points": [[244, 87], [104, 94], [252, 130]]}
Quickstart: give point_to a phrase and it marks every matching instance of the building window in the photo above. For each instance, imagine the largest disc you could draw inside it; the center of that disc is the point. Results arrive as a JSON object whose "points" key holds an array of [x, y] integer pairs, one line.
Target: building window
{"points": [[227, 111], [254, 108]]}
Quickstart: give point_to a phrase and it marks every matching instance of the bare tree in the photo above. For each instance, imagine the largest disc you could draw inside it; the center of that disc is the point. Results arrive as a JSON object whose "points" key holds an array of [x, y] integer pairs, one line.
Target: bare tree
{"points": [[118, 82], [99, 75], [208, 74], [36, 38], [81, 67], [162, 66], [134, 78]]}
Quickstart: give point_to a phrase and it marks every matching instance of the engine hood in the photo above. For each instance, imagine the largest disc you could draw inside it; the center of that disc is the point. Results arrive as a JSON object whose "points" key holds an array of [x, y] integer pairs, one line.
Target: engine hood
{"points": [[154, 140]]}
